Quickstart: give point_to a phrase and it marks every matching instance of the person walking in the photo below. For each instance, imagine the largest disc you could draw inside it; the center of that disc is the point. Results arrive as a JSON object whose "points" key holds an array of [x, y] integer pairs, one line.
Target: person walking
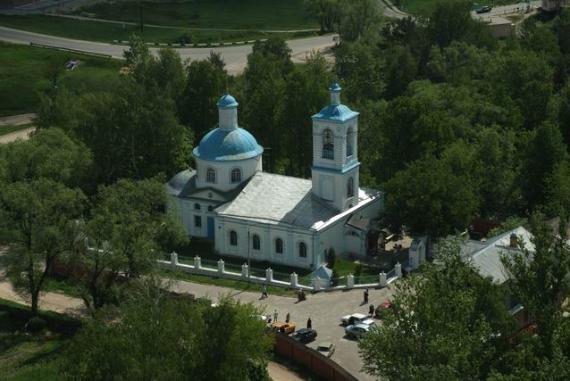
{"points": [[275, 314], [264, 292], [371, 310], [366, 296], [288, 317], [309, 323]]}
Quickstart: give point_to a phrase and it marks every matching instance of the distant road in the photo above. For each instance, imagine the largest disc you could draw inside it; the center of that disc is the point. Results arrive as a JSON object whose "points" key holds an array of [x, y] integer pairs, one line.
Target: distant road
{"points": [[234, 56]]}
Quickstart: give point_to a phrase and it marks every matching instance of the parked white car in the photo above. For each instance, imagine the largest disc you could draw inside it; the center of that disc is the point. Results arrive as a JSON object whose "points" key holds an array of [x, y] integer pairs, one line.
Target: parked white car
{"points": [[352, 319], [358, 330]]}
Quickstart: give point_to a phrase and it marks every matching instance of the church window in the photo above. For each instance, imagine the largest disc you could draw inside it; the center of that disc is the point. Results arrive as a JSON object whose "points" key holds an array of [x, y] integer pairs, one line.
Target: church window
{"points": [[236, 175], [328, 145], [349, 138], [210, 208], [197, 206], [233, 238], [256, 242], [350, 187], [279, 246], [302, 250], [198, 221], [211, 175]]}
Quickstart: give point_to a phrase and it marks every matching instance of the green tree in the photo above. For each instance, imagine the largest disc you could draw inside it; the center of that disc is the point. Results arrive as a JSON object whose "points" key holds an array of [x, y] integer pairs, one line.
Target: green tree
{"points": [[558, 190], [206, 83], [327, 12], [540, 280], [156, 337], [429, 197], [356, 18], [401, 69], [127, 232], [450, 21], [449, 323], [37, 222]]}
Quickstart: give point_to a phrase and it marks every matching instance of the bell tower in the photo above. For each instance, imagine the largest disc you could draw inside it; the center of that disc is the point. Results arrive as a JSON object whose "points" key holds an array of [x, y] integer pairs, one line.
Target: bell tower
{"points": [[335, 170]]}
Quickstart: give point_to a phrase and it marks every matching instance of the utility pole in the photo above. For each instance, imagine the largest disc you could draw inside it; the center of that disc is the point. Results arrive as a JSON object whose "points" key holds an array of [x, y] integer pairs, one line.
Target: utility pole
{"points": [[248, 258]]}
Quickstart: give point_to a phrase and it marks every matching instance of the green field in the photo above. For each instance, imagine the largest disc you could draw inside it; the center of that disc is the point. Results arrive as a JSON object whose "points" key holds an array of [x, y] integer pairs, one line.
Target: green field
{"points": [[109, 32], [23, 75], [234, 14], [425, 7]]}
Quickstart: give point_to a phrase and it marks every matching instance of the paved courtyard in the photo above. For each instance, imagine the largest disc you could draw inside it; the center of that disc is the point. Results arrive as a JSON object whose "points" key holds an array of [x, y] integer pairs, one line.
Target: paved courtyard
{"points": [[325, 310]]}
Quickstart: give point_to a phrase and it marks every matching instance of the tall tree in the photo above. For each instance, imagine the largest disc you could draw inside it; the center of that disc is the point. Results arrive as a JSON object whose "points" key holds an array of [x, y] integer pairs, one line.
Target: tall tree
{"points": [[327, 12], [449, 323], [37, 222], [127, 232]]}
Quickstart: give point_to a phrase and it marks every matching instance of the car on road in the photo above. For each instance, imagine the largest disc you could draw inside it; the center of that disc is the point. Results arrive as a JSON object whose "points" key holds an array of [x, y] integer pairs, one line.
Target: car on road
{"points": [[484, 9], [352, 319], [326, 349], [356, 331], [304, 335], [281, 326]]}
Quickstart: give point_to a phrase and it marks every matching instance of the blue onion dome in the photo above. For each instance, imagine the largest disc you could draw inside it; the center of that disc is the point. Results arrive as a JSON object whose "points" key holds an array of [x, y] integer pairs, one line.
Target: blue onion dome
{"points": [[227, 144], [227, 101]]}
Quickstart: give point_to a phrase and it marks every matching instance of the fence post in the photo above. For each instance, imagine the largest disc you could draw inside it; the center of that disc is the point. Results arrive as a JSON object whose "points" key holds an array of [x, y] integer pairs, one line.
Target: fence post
{"points": [[317, 283], [398, 269], [220, 266], [244, 270], [269, 274], [350, 281], [383, 281], [294, 280], [197, 262], [174, 259]]}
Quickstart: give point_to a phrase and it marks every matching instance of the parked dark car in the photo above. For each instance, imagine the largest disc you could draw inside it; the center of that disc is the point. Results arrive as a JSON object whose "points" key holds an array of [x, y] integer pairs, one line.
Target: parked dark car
{"points": [[484, 9], [305, 335]]}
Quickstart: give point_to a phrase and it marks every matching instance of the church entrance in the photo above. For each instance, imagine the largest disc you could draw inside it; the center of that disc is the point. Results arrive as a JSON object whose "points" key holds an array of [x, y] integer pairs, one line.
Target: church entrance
{"points": [[210, 227]]}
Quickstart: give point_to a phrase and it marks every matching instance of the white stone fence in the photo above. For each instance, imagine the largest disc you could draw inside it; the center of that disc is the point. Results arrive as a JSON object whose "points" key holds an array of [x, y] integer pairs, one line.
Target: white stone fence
{"points": [[317, 284]]}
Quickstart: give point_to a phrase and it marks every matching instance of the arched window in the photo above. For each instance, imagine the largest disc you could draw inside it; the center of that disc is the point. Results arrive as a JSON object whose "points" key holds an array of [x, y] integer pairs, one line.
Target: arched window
{"points": [[328, 144], [233, 238], [211, 175], [256, 242], [279, 246], [236, 175], [302, 250], [350, 187], [349, 138], [197, 206]]}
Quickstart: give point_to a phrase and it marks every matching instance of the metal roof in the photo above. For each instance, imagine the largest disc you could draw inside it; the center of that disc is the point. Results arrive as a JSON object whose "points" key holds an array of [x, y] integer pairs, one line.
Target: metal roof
{"points": [[227, 145], [336, 113]]}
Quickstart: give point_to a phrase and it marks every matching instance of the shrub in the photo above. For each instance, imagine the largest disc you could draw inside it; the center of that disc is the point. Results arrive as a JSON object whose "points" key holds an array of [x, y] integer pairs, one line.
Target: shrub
{"points": [[36, 324]]}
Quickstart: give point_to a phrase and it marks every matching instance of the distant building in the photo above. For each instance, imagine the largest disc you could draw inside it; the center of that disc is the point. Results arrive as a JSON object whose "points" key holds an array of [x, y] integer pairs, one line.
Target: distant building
{"points": [[275, 218]]}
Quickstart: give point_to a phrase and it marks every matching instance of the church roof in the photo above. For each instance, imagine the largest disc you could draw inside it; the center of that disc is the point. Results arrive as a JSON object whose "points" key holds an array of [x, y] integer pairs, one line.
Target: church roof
{"points": [[183, 185], [227, 144], [336, 113], [276, 199]]}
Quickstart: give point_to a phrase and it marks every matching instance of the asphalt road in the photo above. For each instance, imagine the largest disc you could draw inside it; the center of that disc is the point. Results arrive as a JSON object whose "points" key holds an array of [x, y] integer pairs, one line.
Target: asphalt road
{"points": [[234, 56]]}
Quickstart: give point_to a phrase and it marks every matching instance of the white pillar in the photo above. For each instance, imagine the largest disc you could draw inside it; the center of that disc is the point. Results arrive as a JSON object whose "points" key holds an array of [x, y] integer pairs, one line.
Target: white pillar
{"points": [[317, 283], [269, 274], [294, 280], [244, 270], [174, 259], [197, 262], [383, 281], [398, 270], [220, 266], [350, 281]]}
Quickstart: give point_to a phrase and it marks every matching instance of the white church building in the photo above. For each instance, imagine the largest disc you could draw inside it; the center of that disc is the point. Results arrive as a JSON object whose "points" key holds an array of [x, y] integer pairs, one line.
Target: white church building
{"points": [[228, 198]]}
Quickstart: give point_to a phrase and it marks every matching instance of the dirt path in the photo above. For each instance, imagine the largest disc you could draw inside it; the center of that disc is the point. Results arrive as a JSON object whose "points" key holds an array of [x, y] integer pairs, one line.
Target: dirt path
{"points": [[17, 120], [13, 136]]}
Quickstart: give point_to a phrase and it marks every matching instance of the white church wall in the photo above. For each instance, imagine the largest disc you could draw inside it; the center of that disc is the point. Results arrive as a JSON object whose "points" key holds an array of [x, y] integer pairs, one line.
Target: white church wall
{"points": [[267, 233], [223, 170]]}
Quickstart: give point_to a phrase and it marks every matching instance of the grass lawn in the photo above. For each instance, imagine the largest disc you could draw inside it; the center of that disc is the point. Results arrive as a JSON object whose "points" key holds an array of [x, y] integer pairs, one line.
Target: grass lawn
{"points": [[25, 356], [108, 32], [234, 14], [23, 75], [425, 7], [4, 130]]}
